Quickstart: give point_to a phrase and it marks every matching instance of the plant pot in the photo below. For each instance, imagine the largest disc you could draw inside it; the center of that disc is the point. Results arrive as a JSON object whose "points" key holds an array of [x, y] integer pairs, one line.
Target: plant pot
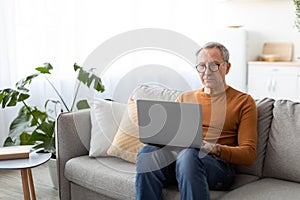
{"points": [[53, 172]]}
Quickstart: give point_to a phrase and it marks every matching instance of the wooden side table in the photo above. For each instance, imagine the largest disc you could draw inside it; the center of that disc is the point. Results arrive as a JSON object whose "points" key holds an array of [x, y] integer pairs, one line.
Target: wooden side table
{"points": [[25, 165]]}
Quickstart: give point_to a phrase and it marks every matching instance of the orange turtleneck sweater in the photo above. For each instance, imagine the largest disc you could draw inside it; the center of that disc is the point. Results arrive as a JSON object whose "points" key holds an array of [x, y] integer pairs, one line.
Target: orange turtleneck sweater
{"points": [[229, 119]]}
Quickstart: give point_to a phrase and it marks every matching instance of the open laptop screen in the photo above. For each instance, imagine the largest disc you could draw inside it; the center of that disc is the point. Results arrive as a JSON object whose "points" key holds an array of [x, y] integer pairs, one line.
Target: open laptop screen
{"points": [[170, 123]]}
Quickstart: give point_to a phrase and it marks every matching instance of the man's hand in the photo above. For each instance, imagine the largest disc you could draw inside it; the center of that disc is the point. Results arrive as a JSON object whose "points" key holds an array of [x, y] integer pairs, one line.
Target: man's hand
{"points": [[213, 149], [206, 146]]}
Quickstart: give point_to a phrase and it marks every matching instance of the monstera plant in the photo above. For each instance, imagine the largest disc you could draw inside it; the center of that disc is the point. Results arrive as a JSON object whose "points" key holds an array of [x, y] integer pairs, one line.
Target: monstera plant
{"points": [[34, 126]]}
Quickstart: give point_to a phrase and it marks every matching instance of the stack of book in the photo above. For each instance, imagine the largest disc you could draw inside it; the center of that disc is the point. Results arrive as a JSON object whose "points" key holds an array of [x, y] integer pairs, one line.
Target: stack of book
{"points": [[15, 152]]}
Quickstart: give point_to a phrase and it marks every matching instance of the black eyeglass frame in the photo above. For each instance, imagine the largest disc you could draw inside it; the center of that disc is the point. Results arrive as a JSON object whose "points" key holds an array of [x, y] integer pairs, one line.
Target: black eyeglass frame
{"points": [[210, 67]]}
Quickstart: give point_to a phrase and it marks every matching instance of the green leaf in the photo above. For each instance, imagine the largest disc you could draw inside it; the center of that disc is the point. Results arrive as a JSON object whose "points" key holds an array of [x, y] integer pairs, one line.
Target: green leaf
{"points": [[76, 67], [10, 97], [2, 95], [47, 143], [37, 136], [25, 139], [9, 142], [98, 85], [87, 79], [47, 128], [23, 97], [83, 76], [13, 99], [39, 146], [5, 99], [19, 124], [82, 104], [45, 69], [20, 85], [39, 116]]}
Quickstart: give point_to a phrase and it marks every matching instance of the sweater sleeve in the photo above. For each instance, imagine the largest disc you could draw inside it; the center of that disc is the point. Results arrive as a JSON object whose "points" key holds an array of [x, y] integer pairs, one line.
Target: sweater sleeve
{"points": [[179, 98], [245, 151]]}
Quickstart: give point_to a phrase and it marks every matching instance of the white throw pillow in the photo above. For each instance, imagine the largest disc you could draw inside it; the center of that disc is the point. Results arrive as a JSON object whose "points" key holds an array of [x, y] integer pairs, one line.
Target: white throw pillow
{"points": [[105, 120]]}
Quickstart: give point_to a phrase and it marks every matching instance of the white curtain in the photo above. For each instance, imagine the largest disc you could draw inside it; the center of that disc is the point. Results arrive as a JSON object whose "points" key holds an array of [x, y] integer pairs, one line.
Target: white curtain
{"points": [[63, 32], [7, 58]]}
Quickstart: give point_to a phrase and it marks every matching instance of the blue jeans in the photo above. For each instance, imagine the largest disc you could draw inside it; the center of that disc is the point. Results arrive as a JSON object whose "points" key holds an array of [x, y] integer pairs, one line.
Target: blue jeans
{"points": [[192, 170]]}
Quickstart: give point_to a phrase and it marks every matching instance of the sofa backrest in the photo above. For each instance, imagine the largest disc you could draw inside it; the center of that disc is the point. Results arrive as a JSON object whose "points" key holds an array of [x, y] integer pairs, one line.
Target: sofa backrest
{"points": [[282, 154], [265, 116], [153, 92]]}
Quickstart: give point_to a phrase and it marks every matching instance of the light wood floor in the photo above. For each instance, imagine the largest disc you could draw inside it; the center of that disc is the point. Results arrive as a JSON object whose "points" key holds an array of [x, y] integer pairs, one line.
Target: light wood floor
{"points": [[11, 184]]}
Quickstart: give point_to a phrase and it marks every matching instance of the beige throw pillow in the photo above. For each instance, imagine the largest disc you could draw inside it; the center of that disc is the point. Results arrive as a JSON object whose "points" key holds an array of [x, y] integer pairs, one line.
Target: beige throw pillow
{"points": [[126, 143]]}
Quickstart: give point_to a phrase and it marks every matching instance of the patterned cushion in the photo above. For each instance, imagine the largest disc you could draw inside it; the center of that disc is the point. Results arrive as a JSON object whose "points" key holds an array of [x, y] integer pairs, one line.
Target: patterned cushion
{"points": [[126, 143]]}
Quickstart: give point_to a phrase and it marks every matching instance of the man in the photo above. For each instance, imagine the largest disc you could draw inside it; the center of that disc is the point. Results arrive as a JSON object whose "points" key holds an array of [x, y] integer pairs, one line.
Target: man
{"points": [[229, 137]]}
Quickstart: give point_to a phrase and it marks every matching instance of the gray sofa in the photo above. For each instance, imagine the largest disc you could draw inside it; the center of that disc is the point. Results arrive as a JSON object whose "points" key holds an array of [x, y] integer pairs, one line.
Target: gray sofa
{"points": [[274, 175]]}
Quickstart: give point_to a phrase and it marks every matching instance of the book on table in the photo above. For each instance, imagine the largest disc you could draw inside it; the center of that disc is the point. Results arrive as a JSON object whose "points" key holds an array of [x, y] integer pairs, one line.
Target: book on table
{"points": [[15, 152]]}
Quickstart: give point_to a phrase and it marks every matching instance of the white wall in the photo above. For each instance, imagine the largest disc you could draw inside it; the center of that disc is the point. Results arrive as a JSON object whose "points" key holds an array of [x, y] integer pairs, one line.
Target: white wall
{"points": [[71, 30], [264, 20]]}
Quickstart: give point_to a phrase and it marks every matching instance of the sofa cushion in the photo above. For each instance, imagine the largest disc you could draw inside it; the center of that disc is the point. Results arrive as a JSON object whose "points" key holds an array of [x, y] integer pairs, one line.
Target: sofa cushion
{"points": [[282, 157], [243, 179], [109, 176], [112, 177], [79, 193], [126, 143], [105, 120], [265, 116], [265, 189], [173, 194]]}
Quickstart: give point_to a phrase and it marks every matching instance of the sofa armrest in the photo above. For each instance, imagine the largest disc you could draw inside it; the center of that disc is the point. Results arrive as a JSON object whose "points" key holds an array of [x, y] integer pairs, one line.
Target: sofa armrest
{"points": [[73, 140]]}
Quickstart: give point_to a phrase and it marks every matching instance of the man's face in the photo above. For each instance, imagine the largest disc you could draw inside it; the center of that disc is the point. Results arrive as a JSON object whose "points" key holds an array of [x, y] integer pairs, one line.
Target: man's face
{"points": [[208, 78]]}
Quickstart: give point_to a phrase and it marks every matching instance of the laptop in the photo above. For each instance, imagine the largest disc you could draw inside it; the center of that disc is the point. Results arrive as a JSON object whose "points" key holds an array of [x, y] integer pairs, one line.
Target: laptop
{"points": [[165, 123]]}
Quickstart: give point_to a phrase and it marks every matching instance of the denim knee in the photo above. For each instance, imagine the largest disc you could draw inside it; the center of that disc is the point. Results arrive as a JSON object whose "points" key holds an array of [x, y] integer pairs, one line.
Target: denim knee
{"points": [[152, 158], [188, 163]]}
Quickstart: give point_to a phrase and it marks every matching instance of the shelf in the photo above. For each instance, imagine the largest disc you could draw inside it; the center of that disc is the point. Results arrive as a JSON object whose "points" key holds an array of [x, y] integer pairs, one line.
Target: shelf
{"points": [[274, 63]]}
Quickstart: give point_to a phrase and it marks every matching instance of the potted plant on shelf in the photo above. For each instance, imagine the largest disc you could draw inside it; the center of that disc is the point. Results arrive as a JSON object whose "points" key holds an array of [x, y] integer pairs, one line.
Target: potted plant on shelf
{"points": [[34, 126], [297, 12]]}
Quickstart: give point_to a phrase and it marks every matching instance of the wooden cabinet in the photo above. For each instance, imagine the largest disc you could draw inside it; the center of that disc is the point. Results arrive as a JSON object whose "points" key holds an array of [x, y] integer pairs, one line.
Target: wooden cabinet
{"points": [[278, 80]]}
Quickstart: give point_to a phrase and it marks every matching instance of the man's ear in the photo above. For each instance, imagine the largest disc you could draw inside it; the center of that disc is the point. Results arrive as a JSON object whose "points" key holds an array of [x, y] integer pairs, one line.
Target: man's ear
{"points": [[228, 65]]}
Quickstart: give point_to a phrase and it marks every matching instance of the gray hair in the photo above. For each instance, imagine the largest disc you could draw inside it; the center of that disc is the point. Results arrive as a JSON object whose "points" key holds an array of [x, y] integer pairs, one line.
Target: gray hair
{"points": [[221, 47]]}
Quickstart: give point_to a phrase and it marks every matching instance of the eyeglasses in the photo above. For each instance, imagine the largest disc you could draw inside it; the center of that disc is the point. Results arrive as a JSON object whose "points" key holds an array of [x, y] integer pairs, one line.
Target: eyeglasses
{"points": [[213, 67]]}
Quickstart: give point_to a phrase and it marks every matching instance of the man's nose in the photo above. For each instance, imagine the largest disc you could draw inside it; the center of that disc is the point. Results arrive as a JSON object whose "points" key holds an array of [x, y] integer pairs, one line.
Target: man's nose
{"points": [[207, 70]]}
